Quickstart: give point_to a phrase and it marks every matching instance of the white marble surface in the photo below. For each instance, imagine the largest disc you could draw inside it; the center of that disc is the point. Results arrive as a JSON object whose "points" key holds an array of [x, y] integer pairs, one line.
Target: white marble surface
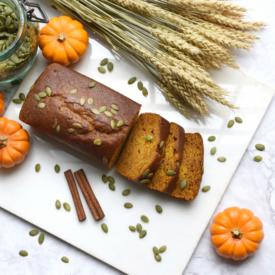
{"points": [[251, 187]]}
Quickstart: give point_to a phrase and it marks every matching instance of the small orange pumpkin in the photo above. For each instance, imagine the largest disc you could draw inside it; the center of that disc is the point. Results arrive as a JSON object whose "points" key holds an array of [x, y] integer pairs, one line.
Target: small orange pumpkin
{"points": [[236, 233], [63, 40], [2, 104], [14, 143]]}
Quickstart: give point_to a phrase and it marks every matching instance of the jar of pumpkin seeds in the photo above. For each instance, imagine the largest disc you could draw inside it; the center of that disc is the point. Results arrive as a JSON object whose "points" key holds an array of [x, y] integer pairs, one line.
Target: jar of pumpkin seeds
{"points": [[19, 35]]}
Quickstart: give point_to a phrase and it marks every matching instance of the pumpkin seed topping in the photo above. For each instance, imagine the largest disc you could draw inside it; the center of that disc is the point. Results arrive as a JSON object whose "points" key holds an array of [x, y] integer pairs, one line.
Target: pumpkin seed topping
{"points": [[108, 114], [159, 209], [170, 173], [161, 144], [92, 84], [146, 173], [183, 184], [144, 92], [132, 80], [104, 62], [65, 260], [23, 253], [212, 138], [114, 111], [144, 181], [221, 159], [66, 206], [111, 179], [104, 227], [139, 227], [40, 105], [31, 87], [162, 249], [58, 204], [95, 111], [17, 101], [144, 219], [36, 97], [57, 168], [115, 107], [98, 142], [213, 151], [121, 123], [42, 94], [128, 205], [37, 167], [58, 128], [155, 250], [41, 238], [258, 158], [142, 234], [110, 67], [73, 91], [132, 228], [104, 178], [230, 123], [112, 187], [148, 138], [101, 70], [126, 192], [102, 109], [238, 120], [33, 233], [77, 126], [90, 101], [82, 101], [150, 176], [105, 160], [70, 130], [206, 188], [260, 147], [48, 91], [140, 85], [113, 124], [157, 258], [202, 170], [55, 123], [22, 97]]}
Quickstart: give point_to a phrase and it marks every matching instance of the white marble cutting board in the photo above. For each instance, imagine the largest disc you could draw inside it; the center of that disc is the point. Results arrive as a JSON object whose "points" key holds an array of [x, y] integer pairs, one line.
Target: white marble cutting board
{"points": [[32, 196]]}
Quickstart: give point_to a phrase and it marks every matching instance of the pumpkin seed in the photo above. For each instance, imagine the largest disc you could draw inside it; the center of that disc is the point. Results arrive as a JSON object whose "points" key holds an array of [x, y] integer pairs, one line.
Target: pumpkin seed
{"points": [[121, 123], [42, 94], [213, 151], [65, 260], [221, 159], [150, 175], [144, 219], [108, 114], [95, 111], [230, 123], [132, 80], [23, 253], [142, 234], [183, 184], [33, 233], [144, 92], [146, 173], [202, 170], [161, 144], [18, 101], [105, 160], [159, 209], [92, 84], [258, 158], [90, 101], [115, 107], [113, 124], [104, 227], [101, 70], [22, 97], [178, 166], [139, 227], [36, 97], [48, 91], [66, 206], [212, 138], [112, 186], [170, 173], [41, 238], [128, 205], [126, 192], [73, 91], [31, 87], [111, 179], [148, 138], [144, 181], [110, 67], [162, 249], [98, 142], [114, 111], [82, 101], [132, 228], [157, 258], [104, 62], [77, 126], [104, 178], [140, 85], [58, 204], [37, 168], [206, 188], [41, 105], [260, 147], [238, 119], [70, 130], [155, 250], [58, 128], [102, 109], [57, 168]]}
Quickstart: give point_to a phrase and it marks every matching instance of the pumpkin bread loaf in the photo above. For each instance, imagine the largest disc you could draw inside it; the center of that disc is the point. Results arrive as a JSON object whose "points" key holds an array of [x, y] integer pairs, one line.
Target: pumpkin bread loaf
{"points": [[92, 120], [141, 155], [191, 168], [171, 161]]}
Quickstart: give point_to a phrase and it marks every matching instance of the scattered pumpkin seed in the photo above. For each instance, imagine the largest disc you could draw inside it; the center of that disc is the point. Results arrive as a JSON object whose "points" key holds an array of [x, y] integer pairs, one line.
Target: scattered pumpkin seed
{"points": [[206, 188], [58, 128], [144, 219], [33, 232], [155, 250], [148, 138], [202, 170], [157, 258], [110, 67], [70, 130], [57, 168], [108, 114], [95, 111], [92, 84], [115, 107], [101, 70], [22, 97], [128, 205], [23, 253], [258, 158], [139, 227], [212, 138], [41, 238], [65, 260], [37, 167], [55, 123], [58, 204], [17, 101], [150, 175], [121, 123], [48, 91], [31, 87], [113, 124], [238, 119], [140, 85], [146, 173], [132, 80], [98, 142], [73, 91], [230, 123], [36, 97], [144, 181], [126, 192], [178, 166], [40, 105], [105, 160], [104, 62], [77, 126], [162, 249], [183, 184], [142, 234], [104, 227], [90, 101], [159, 209], [111, 179], [66, 206], [82, 101], [170, 173], [144, 92], [260, 147], [132, 228], [113, 111], [42, 94], [112, 186], [102, 109], [161, 144], [213, 151], [221, 159], [104, 178], [164, 151]]}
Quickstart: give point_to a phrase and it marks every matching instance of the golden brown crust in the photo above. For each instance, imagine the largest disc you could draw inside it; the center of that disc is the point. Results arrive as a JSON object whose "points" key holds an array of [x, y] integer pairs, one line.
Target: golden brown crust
{"points": [[67, 110]]}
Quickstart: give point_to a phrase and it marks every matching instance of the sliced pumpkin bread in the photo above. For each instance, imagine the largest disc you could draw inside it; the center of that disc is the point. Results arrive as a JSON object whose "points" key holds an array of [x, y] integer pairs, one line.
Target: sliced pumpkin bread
{"points": [[190, 169], [142, 151], [167, 173]]}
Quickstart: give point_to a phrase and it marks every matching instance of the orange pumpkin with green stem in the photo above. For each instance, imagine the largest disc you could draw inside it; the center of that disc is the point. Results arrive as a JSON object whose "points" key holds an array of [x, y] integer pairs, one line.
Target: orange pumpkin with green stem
{"points": [[236, 233], [14, 143], [2, 104], [63, 40]]}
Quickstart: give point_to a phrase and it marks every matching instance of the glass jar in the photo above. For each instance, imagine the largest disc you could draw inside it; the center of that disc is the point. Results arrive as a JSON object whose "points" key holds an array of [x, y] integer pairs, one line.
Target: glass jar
{"points": [[18, 47]]}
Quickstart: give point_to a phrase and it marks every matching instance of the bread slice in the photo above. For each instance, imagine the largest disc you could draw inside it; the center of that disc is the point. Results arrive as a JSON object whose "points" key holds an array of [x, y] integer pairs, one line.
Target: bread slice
{"points": [[191, 168], [140, 155], [171, 161]]}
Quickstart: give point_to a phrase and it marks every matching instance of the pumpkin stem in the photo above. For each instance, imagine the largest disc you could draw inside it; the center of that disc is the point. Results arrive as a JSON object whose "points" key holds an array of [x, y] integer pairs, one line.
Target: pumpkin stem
{"points": [[3, 142], [62, 37], [237, 233]]}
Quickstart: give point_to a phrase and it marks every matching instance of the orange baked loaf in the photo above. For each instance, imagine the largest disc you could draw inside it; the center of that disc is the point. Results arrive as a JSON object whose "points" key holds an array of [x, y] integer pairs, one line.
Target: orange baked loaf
{"points": [[190, 169], [142, 152], [167, 173]]}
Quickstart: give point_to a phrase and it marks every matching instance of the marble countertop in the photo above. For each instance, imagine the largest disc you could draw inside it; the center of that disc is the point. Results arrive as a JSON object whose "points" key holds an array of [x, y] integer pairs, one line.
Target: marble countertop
{"points": [[252, 187]]}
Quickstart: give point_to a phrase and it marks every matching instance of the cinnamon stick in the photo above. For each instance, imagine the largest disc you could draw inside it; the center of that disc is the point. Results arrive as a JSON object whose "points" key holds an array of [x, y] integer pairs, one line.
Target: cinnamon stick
{"points": [[89, 195], [77, 201]]}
